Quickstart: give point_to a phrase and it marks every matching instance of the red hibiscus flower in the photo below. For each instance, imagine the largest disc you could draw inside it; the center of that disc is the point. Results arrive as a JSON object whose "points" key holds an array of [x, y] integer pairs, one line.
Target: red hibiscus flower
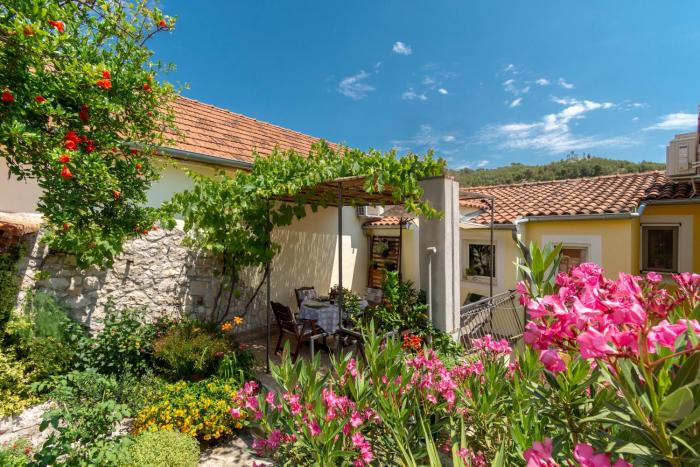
{"points": [[138, 166], [64, 159], [89, 146], [70, 145], [84, 113], [104, 83], [71, 141], [66, 226], [106, 74], [65, 172], [7, 96], [134, 152], [146, 87], [116, 194], [40, 99], [60, 26], [162, 24]]}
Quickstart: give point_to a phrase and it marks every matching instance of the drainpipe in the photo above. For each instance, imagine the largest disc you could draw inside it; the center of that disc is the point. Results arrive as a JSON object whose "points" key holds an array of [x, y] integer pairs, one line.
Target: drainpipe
{"points": [[431, 251]]}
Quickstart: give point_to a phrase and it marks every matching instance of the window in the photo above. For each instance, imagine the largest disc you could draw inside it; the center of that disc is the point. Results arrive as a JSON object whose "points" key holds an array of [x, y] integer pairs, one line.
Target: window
{"points": [[660, 248], [479, 260], [572, 256]]}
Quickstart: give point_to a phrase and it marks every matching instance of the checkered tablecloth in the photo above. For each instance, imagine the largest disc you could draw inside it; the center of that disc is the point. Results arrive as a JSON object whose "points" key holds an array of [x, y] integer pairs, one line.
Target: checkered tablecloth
{"points": [[326, 316]]}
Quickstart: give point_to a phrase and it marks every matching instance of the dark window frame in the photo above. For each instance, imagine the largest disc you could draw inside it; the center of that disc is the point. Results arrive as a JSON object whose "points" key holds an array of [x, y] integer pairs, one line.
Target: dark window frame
{"points": [[645, 229]]}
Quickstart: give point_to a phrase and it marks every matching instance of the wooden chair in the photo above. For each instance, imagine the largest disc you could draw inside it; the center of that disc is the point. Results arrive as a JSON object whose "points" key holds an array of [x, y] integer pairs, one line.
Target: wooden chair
{"points": [[306, 330], [303, 293]]}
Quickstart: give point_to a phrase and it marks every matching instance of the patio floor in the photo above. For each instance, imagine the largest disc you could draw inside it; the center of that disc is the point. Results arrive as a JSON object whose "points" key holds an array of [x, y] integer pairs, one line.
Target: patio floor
{"points": [[257, 344]]}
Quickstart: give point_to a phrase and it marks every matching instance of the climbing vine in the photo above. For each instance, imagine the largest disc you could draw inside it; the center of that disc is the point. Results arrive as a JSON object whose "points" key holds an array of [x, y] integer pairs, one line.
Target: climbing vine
{"points": [[232, 216], [76, 87]]}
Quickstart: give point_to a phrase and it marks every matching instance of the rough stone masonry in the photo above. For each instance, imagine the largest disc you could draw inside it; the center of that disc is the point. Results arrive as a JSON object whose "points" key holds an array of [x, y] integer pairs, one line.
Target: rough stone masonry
{"points": [[155, 272]]}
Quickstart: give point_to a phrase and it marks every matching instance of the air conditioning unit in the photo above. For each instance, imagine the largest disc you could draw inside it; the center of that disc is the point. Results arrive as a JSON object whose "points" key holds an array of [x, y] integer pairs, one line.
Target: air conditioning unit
{"points": [[682, 161], [369, 211]]}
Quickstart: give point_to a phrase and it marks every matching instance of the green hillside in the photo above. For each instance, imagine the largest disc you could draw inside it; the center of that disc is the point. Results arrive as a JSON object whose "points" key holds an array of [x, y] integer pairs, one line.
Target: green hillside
{"points": [[571, 167]]}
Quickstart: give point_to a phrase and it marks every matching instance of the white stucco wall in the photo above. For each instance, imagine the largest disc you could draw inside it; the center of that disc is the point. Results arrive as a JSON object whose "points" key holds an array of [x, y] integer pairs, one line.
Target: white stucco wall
{"points": [[23, 196], [309, 254]]}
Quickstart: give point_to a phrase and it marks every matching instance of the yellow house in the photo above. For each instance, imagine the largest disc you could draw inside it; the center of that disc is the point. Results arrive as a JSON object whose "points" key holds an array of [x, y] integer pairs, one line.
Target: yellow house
{"points": [[630, 223]]}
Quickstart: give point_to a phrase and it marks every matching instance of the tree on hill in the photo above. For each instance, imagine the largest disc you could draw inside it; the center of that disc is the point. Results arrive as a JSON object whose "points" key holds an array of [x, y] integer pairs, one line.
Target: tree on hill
{"points": [[573, 166]]}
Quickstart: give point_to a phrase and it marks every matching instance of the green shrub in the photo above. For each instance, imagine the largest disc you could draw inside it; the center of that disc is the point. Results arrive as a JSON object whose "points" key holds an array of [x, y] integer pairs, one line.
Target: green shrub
{"points": [[200, 409], [164, 449], [84, 416], [124, 345], [15, 384], [237, 365], [16, 454], [9, 282], [189, 351]]}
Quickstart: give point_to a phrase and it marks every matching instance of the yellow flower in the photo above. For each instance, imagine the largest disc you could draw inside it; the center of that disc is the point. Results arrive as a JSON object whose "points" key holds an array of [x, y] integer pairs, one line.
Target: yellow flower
{"points": [[238, 320], [226, 327]]}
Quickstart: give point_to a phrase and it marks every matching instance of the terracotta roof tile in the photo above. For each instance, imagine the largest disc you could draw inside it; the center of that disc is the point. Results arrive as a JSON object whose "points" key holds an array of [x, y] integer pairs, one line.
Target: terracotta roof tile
{"points": [[217, 132], [593, 195], [384, 221]]}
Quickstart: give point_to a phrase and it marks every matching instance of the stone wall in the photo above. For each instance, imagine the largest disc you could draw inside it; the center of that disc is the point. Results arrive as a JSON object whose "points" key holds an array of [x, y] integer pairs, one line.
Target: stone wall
{"points": [[155, 272]]}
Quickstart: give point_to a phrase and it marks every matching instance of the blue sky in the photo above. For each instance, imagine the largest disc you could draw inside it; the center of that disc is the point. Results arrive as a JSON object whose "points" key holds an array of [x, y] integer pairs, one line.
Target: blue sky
{"points": [[483, 83]]}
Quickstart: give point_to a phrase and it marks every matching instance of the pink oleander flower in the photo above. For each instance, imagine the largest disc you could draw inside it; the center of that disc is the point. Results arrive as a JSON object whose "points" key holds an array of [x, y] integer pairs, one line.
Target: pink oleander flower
{"points": [[540, 454], [587, 457], [356, 420], [594, 344], [552, 361], [314, 428]]}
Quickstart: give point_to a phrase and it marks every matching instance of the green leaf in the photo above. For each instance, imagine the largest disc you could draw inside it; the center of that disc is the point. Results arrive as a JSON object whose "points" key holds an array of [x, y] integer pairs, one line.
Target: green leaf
{"points": [[677, 405], [687, 373]]}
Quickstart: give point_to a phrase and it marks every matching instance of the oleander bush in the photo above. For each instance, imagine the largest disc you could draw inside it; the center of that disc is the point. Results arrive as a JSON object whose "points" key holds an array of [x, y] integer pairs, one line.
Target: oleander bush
{"points": [[200, 409], [163, 449], [609, 375]]}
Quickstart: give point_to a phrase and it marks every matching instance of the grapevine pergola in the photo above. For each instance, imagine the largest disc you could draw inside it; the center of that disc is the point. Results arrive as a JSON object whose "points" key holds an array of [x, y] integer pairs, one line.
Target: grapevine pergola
{"points": [[341, 192]]}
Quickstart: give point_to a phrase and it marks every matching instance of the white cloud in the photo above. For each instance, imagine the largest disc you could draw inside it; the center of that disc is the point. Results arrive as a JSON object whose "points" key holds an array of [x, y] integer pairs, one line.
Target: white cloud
{"points": [[355, 86], [446, 144], [510, 68], [542, 82], [411, 95], [564, 84], [515, 102], [634, 119], [443, 91], [511, 86], [402, 48], [482, 163], [552, 132], [677, 121]]}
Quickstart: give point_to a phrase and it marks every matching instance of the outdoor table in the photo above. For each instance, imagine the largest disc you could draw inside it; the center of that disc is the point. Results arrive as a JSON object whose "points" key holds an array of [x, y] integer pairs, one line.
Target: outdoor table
{"points": [[324, 313]]}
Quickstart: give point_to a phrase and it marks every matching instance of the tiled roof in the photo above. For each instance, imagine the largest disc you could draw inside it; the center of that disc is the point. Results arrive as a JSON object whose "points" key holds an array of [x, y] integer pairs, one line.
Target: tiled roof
{"points": [[593, 195], [217, 132], [384, 221]]}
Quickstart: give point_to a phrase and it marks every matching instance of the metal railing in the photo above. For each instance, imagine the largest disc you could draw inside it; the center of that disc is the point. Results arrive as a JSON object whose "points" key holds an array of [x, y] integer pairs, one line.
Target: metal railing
{"points": [[501, 316]]}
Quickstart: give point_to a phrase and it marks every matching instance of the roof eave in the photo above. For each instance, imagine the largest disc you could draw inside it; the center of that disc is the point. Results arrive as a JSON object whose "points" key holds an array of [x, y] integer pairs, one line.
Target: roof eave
{"points": [[205, 158]]}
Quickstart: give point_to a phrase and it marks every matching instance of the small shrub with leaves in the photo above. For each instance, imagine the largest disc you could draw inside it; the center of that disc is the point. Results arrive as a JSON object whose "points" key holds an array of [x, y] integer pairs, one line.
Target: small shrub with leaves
{"points": [[84, 416], [164, 449], [15, 454], [200, 409], [237, 366], [15, 384], [124, 345], [190, 350], [44, 336]]}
